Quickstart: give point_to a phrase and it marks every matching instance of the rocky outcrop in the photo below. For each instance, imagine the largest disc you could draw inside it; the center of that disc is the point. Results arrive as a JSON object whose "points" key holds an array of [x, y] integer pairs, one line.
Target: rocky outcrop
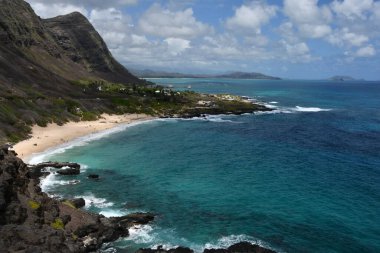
{"points": [[241, 247], [93, 176], [69, 171], [78, 202], [31, 221], [161, 250]]}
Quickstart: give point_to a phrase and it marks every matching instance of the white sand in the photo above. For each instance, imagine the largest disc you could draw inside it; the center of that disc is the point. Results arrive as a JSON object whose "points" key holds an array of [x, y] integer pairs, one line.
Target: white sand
{"points": [[44, 138]]}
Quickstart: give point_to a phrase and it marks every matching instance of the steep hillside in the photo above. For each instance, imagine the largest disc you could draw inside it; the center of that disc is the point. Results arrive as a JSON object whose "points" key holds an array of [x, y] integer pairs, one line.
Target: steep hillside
{"points": [[39, 62]]}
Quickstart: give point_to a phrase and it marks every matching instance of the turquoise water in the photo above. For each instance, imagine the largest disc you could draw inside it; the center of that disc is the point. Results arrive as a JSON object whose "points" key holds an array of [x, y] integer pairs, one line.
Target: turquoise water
{"points": [[304, 178]]}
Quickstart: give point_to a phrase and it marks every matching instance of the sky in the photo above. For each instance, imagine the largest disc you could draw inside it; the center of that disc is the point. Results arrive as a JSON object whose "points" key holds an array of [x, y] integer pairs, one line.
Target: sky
{"points": [[303, 39]]}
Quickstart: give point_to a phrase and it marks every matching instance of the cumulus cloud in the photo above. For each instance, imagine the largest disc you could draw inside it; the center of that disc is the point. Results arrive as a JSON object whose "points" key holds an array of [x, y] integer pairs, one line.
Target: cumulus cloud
{"points": [[352, 9], [345, 37], [312, 20], [367, 51], [55, 9], [295, 52], [165, 23], [112, 24], [177, 45], [88, 4], [251, 17]]}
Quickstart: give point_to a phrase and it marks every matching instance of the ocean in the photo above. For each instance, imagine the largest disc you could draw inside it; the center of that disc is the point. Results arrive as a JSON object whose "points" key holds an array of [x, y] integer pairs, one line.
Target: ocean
{"points": [[302, 178]]}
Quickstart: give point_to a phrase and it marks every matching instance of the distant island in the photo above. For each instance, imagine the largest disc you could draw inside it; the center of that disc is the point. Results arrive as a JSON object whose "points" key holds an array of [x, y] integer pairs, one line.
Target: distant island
{"points": [[342, 78], [148, 73]]}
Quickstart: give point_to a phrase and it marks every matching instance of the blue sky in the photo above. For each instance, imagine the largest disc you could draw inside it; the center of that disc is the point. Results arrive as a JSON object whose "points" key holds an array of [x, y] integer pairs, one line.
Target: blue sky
{"points": [[303, 39]]}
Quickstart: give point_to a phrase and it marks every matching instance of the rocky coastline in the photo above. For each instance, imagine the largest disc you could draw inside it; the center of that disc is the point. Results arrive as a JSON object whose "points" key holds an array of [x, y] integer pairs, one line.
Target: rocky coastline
{"points": [[31, 221]]}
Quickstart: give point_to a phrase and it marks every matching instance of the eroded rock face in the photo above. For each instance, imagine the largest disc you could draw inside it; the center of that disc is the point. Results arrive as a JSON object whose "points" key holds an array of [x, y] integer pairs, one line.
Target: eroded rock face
{"points": [[31, 220]]}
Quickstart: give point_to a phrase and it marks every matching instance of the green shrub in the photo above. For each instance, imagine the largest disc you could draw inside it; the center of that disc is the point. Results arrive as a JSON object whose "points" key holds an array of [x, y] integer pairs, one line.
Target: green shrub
{"points": [[58, 224], [89, 116], [34, 205]]}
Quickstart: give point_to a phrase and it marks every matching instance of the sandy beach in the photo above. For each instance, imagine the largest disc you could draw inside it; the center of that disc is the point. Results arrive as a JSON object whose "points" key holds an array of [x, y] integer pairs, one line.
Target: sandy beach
{"points": [[43, 138]]}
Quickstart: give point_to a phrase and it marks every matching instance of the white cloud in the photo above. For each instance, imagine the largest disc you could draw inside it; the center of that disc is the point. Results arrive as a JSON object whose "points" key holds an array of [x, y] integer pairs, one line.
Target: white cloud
{"points": [[176, 45], [251, 17], [312, 20], [176, 24], [376, 11], [352, 9], [112, 24], [314, 30], [296, 52], [345, 37], [56, 9], [88, 4], [367, 51]]}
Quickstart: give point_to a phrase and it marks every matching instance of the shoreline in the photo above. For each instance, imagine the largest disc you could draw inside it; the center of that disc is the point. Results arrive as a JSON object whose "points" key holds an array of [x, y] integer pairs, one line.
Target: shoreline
{"points": [[44, 138]]}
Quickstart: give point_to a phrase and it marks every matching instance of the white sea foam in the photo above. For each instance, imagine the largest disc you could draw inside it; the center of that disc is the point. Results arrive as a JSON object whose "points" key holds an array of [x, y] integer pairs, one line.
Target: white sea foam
{"points": [[282, 109], [91, 200], [227, 241], [112, 213], [273, 102], [220, 119], [141, 234], [271, 106], [310, 109]]}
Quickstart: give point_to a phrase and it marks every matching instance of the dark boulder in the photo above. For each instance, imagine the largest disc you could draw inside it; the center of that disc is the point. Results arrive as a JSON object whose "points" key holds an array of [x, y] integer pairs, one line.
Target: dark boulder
{"points": [[69, 171], [93, 176], [161, 250], [241, 247], [78, 202], [133, 219]]}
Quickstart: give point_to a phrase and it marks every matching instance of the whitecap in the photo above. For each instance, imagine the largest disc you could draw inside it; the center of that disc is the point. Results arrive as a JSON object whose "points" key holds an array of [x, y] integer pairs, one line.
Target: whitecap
{"points": [[91, 200], [112, 213], [220, 119], [310, 109], [141, 234], [227, 241], [273, 102], [271, 106]]}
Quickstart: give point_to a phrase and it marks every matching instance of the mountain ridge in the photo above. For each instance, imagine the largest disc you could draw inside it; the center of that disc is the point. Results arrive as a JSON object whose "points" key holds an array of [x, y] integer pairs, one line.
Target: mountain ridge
{"points": [[148, 73], [40, 59]]}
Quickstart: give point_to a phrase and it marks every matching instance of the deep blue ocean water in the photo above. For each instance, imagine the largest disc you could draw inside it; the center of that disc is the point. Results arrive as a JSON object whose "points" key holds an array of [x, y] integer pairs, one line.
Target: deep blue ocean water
{"points": [[304, 178]]}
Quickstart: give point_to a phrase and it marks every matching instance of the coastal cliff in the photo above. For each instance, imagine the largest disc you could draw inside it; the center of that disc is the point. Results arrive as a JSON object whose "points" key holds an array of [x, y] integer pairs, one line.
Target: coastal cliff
{"points": [[31, 221]]}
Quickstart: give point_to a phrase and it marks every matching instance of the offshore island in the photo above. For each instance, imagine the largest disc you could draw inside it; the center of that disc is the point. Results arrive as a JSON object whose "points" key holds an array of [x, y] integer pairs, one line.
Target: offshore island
{"points": [[58, 74]]}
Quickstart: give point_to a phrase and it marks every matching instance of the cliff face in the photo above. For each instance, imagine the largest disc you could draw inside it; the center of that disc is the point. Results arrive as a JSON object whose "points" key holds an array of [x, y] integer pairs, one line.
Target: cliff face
{"points": [[30, 221], [40, 60], [67, 46], [81, 43]]}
